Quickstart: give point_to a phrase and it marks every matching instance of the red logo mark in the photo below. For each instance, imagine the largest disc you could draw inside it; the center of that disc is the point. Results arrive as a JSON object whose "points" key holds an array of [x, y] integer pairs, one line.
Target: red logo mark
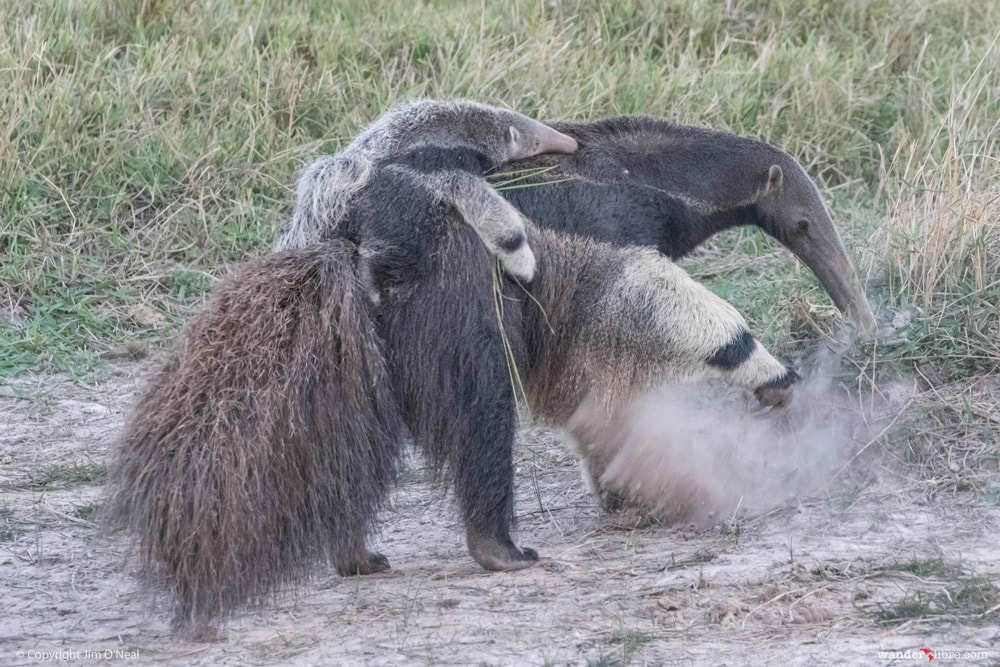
{"points": [[929, 653]]}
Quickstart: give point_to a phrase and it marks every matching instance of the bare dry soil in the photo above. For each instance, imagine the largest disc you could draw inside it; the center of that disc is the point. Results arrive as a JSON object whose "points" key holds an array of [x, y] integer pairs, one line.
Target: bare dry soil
{"points": [[869, 565]]}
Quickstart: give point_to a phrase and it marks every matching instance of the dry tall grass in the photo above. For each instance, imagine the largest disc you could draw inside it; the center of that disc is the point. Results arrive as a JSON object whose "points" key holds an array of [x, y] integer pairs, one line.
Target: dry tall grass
{"points": [[939, 244], [943, 194]]}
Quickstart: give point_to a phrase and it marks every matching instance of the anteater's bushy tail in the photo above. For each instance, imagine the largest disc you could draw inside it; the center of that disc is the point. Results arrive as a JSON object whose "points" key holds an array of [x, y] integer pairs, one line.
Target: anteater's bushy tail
{"points": [[267, 442]]}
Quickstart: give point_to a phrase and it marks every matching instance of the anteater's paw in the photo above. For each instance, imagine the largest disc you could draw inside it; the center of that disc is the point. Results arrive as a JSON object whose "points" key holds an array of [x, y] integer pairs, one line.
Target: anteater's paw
{"points": [[500, 556], [778, 397], [372, 562]]}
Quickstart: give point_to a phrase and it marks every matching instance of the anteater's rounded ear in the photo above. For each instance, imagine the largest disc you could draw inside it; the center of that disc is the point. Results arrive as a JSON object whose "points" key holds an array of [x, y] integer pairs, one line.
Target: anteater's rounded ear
{"points": [[513, 138], [774, 178]]}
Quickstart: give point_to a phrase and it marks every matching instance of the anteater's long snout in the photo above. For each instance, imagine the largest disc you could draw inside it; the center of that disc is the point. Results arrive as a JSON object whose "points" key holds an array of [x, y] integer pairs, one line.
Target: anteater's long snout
{"points": [[542, 139], [554, 141]]}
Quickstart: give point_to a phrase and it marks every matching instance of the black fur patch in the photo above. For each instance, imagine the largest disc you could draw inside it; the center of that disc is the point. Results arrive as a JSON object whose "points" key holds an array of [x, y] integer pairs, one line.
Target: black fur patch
{"points": [[512, 242], [395, 220], [734, 353], [430, 158], [787, 380]]}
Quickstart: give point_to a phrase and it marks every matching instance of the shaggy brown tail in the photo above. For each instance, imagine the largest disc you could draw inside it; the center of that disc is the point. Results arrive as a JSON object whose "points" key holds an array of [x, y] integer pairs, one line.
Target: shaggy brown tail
{"points": [[266, 443]]}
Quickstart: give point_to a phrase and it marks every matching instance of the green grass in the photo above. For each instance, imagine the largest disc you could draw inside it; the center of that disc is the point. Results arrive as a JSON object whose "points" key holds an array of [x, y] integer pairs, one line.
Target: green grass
{"points": [[144, 146], [8, 529], [935, 590], [87, 511], [959, 597], [67, 476], [631, 641], [925, 567]]}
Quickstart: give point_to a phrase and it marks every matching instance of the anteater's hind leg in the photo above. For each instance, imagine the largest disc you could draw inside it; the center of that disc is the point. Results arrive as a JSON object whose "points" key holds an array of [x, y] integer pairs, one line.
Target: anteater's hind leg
{"points": [[449, 367], [460, 407], [364, 477], [355, 558], [484, 482]]}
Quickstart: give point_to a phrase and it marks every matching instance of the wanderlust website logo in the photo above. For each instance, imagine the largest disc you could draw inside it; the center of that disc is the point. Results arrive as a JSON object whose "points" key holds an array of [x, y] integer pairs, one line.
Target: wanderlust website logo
{"points": [[931, 655]]}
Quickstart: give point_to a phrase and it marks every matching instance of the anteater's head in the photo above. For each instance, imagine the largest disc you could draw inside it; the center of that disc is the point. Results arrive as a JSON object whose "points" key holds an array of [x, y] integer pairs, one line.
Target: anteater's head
{"points": [[790, 209], [503, 135], [498, 134]]}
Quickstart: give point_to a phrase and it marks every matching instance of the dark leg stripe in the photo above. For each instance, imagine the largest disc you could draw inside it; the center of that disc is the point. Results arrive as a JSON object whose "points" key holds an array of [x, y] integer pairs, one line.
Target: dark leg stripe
{"points": [[787, 380], [512, 243], [733, 353]]}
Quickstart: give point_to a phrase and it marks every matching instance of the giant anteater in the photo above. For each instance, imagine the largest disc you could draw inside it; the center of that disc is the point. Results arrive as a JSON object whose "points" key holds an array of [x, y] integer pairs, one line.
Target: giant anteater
{"points": [[641, 181], [269, 439]]}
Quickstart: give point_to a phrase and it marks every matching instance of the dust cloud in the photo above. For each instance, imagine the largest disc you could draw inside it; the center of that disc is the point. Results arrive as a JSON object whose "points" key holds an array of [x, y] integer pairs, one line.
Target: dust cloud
{"points": [[701, 452]]}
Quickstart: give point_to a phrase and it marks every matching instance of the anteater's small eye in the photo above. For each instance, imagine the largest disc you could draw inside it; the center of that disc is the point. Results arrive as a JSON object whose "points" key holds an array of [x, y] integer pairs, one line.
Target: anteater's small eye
{"points": [[803, 226]]}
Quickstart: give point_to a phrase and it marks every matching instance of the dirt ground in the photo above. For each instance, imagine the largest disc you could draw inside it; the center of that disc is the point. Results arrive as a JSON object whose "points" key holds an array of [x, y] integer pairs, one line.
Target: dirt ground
{"points": [[872, 564]]}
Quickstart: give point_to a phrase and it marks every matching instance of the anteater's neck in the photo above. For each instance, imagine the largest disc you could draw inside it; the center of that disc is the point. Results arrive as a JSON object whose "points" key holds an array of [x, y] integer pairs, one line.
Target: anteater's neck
{"points": [[723, 219], [687, 231]]}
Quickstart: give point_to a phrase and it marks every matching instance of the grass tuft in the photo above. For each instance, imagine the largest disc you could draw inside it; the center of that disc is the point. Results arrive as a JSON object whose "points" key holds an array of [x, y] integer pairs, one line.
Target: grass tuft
{"points": [[67, 476], [8, 529], [941, 591], [972, 600], [631, 642]]}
